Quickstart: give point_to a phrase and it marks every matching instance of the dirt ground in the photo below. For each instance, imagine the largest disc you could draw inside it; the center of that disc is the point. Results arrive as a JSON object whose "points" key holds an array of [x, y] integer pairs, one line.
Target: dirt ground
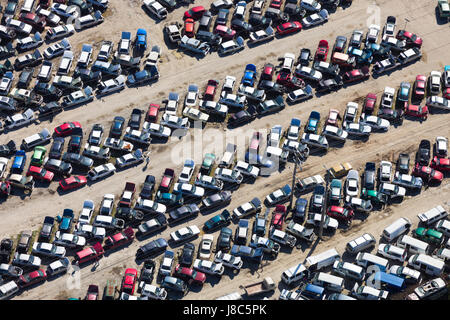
{"points": [[177, 72]]}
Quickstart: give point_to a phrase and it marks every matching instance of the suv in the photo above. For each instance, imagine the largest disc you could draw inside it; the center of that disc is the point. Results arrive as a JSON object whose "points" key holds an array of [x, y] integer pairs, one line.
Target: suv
{"points": [[361, 243], [24, 241]]}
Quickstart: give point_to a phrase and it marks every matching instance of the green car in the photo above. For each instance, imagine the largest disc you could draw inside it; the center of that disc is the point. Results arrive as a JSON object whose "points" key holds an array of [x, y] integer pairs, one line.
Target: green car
{"points": [[444, 8], [38, 155], [374, 196], [430, 236], [208, 162]]}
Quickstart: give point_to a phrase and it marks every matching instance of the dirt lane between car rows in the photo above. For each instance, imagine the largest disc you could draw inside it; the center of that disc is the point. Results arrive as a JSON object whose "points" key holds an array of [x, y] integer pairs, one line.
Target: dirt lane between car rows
{"points": [[178, 71]]}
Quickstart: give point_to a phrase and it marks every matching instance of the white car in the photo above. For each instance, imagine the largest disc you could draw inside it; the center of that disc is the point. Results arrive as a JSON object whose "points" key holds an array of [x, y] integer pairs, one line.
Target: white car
{"points": [[392, 190], [441, 146], [101, 171], [19, 119], [205, 249], [290, 295], [208, 267], [410, 275], [19, 26], [385, 171], [175, 122], [3, 165], [227, 175], [69, 240], [187, 171], [156, 8], [228, 260], [333, 132], [165, 268], [111, 85], [246, 169], [58, 267], [130, 159], [352, 183], [315, 19], [314, 140], [65, 63], [375, 122], [327, 223], [361, 243], [29, 43], [45, 72], [372, 34], [300, 94], [49, 250], [389, 27], [85, 56], [350, 113], [6, 83], [293, 132], [208, 182], [231, 46], [278, 196], [26, 260], [274, 137], [434, 82], [89, 231], [149, 206], [308, 73], [60, 32], [65, 11], [57, 49], [155, 129], [228, 85], [310, 5], [392, 252], [172, 104], [153, 292], [368, 293], [51, 18], [185, 233], [86, 212], [187, 189], [107, 204], [195, 114], [192, 96], [358, 129], [89, 20], [117, 144]]}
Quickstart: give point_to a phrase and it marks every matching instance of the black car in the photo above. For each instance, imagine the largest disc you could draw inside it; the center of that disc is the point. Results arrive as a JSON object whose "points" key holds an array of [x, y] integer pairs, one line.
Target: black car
{"points": [[187, 255], [117, 127], [403, 163], [294, 11], [369, 176], [58, 167], [88, 77], [57, 148], [259, 22], [242, 117], [25, 78], [7, 51], [424, 153], [75, 144], [222, 17], [272, 89], [242, 28], [135, 119], [152, 248], [391, 115], [49, 109], [339, 45], [183, 212], [47, 228], [147, 271], [6, 247], [213, 39], [8, 149], [300, 208], [86, 8], [305, 57], [77, 159], [224, 239], [169, 4], [149, 186], [129, 215], [216, 200], [157, 223], [205, 21], [48, 91], [29, 60], [329, 85]]}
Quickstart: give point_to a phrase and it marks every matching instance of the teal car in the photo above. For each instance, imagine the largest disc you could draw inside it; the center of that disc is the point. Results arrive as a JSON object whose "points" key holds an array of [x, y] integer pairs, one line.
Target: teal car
{"points": [[169, 199], [430, 236], [374, 196], [38, 156], [336, 190], [208, 162], [312, 126]]}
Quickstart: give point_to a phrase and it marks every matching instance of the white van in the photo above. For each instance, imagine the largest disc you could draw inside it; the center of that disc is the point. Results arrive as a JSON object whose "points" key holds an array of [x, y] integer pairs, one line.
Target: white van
{"points": [[396, 229], [8, 289], [427, 264], [294, 274], [231, 296], [27, 6], [321, 260], [444, 227], [365, 259], [412, 245], [328, 281], [36, 139], [350, 270], [432, 215]]}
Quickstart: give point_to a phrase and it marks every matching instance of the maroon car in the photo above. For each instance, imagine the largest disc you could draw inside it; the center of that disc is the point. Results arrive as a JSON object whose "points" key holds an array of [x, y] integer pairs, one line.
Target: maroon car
{"points": [[190, 275], [37, 22], [417, 111], [340, 213], [92, 292], [410, 38], [195, 12], [119, 239], [278, 217], [322, 51], [31, 278], [369, 103], [356, 75]]}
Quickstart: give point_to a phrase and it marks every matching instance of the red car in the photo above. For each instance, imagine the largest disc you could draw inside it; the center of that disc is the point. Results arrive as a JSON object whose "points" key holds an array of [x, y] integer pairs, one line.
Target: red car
{"points": [[417, 111], [356, 75], [89, 254], [31, 278], [441, 164], [446, 93], [67, 128], [190, 275], [127, 195], [225, 32], [333, 117], [152, 113], [44, 3], [189, 26], [276, 4], [290, 81], [195, 12], [92, 292], [369, 103], [129, 281], [322, 51], [427, 173], [267, 73], [340, 213], [167, 180], [289, 27], [278, 217], [419, 86], [33, 20], [119, 239], [40, 173], [410, 38], [73, 182], [210, 90]]}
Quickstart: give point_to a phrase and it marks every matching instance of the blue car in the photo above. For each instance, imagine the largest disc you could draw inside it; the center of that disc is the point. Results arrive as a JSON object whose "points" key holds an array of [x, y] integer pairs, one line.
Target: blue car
{"points": [[249, 75], [300, 208], [356, 52], [141, 77], [19, 161], [141, 39], [67, 219], [312, 125]]}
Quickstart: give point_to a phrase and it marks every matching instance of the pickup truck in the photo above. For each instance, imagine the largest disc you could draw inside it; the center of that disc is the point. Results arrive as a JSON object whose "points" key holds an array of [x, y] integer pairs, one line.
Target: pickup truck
{"points": [[268, 246], [228, 156], [387, 99], [127, 195], [283, 238], [173, 31], [263, 286], [21, 182]]}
